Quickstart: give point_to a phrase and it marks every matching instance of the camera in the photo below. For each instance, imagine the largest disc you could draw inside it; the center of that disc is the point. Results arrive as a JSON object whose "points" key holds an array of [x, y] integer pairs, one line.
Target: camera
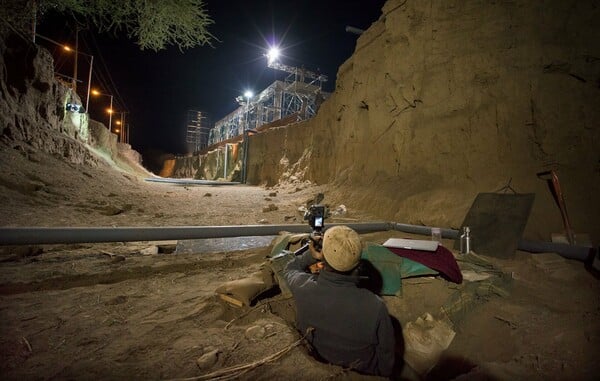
{"points": [[316, 216]]}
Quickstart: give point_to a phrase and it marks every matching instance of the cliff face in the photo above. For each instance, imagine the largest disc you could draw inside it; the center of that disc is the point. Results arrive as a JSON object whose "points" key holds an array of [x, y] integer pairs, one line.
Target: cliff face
{"points": [[34, 117], [441, 101], [32, 104]]}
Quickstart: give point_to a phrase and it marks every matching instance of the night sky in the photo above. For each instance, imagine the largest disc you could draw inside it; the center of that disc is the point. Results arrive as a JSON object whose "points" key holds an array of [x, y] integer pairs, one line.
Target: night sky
{"points": [[157, 88]]}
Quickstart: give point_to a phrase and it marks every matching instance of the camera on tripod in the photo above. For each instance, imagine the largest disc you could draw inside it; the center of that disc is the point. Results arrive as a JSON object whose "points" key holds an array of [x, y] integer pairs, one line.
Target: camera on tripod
{"points": [[316, 215]]}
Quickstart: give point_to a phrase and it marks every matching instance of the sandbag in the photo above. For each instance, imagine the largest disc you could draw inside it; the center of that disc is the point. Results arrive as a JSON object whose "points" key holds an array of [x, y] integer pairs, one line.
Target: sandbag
{"points": [[424, 341], [247, 289]]}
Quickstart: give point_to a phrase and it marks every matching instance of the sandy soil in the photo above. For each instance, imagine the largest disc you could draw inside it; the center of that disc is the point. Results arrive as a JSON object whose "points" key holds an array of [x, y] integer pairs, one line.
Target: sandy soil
{"points": [[109, 311]]}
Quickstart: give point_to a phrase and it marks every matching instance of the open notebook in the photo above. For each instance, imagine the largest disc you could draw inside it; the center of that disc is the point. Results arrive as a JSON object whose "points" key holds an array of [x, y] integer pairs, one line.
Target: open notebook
{"points": [[412, 244]]}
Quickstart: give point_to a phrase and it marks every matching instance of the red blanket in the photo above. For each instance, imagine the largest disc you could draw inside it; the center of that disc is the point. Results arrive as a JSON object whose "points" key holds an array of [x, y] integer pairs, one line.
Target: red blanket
{"points": [[441, 260]]}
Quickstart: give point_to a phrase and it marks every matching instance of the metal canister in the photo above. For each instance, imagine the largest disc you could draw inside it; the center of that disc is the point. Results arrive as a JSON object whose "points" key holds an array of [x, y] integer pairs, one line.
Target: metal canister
{"points": [[465, 240]]}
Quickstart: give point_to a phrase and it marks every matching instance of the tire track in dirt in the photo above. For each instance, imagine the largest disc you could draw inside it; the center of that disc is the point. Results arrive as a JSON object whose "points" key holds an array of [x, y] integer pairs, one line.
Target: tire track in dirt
{"points": [[65, 282]]}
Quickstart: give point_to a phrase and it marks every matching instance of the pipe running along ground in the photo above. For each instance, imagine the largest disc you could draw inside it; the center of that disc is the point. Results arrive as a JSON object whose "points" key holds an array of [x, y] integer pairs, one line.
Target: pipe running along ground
{"points": [[66, 235]]}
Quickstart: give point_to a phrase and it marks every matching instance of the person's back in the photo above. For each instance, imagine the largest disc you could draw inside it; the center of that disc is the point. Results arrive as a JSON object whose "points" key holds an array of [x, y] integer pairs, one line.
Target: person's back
{"points": [[346, 325]]}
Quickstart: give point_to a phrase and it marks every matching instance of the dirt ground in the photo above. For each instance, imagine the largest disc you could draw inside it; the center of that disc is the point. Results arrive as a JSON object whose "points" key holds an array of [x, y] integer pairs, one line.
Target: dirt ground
{"points": [[117, 311]]}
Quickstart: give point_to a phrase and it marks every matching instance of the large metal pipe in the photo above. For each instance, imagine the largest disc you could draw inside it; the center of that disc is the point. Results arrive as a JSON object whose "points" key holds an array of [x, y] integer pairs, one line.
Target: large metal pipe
{"points": [[64, 235], [36, 235], [423, 230], [189, 181], [581, 253]]}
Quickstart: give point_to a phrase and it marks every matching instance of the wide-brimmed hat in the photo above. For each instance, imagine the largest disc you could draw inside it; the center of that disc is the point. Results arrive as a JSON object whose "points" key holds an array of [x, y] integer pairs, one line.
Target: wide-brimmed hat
{"points": [[341, 248]]}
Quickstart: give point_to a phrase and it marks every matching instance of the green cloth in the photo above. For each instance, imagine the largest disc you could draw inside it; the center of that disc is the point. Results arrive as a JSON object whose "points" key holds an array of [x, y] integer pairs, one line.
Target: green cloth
{"points": [[393, 268]]}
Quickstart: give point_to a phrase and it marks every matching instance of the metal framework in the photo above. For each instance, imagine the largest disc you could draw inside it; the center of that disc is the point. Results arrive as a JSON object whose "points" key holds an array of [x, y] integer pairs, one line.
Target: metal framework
{"points": [[300, 93], [198, 129]]}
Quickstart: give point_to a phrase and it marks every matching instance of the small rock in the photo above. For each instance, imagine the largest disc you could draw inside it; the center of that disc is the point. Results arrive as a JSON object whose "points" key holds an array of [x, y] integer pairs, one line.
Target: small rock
{"points": [[152, 250], [208, 359], [268, 199], [263, 221], [117, 259], [273, 194], [270, 208], [207, 194], [340, 210], [111, 210], [255, 332]]}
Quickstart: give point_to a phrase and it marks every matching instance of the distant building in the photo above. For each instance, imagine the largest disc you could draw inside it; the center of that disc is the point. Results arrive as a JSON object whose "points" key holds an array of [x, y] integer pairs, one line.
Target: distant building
{"points": [[198, 129]]}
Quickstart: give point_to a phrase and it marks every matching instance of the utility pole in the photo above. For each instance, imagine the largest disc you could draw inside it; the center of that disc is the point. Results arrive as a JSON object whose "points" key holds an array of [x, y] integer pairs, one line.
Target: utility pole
{"points": [[76, 54], [34, 18]]}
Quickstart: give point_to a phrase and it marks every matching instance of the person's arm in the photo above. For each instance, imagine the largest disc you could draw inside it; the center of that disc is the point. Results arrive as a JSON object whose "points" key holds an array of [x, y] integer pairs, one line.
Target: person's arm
{"points": [[295, 273]]}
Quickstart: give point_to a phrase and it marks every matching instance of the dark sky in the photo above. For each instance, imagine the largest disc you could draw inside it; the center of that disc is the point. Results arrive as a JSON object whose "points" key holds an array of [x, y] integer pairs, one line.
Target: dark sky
{"points": [[158, 88]]}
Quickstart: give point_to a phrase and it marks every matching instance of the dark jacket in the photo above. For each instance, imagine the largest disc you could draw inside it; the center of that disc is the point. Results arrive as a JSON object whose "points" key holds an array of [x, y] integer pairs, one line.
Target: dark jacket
{"points": [[352, 327]]}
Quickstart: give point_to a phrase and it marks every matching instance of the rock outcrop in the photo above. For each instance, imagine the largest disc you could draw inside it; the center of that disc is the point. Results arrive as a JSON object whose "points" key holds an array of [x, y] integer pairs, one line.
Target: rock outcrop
{"points": [[34, 116]]}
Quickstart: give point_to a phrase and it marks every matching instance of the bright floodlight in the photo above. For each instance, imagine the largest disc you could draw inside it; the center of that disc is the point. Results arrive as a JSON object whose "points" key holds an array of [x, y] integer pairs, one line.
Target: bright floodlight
{"points": [[273, 54], [248, 94]]}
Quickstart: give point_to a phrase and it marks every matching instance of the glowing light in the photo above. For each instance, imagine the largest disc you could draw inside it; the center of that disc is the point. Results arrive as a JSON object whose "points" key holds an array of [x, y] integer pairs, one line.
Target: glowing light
{"points": [[248, 94], [118, 122], [117, 130], [109, 110], [273, 54], [95, 92], [65, 47]]}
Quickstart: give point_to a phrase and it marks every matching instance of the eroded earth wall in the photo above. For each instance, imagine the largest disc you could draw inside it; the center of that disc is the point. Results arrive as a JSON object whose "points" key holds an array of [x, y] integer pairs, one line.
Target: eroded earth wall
{"points": [[33, 113], [443, 100]]}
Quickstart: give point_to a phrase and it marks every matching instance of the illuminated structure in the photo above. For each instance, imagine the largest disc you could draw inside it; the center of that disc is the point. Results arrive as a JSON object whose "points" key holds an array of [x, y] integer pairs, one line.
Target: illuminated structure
{"points": [[198, 128], [300, 93]]}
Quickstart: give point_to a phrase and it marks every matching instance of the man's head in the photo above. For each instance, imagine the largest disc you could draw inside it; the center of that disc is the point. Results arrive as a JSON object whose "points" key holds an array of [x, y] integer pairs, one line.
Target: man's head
{"points": [[341, 248]]}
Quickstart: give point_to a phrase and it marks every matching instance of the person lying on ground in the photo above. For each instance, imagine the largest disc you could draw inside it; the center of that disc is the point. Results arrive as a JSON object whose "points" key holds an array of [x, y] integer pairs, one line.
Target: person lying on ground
{"points": [[345, 325]]}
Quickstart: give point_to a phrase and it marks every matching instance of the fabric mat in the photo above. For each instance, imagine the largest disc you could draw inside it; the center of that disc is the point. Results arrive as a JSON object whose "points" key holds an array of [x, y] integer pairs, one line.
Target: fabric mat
{"points": [[441, 260]]}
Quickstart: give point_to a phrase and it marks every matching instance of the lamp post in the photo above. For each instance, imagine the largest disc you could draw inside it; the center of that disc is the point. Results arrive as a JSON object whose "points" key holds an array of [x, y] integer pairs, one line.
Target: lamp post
{"points": [[248, 94], [123, 130], [87, 101], [68, 49], [110, 110]]}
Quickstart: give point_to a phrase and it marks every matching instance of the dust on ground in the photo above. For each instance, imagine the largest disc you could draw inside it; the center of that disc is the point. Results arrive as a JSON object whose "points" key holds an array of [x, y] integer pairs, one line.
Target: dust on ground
{"points": [[119, 311]]}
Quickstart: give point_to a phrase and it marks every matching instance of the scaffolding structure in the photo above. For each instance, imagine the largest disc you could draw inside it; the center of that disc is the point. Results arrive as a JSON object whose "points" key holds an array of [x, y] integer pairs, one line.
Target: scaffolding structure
{"points": [[300, 93], [198, 130]]}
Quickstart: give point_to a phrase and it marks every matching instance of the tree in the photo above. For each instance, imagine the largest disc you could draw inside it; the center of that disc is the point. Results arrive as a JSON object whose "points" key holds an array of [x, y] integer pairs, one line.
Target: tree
{"points": [[153, 24]]}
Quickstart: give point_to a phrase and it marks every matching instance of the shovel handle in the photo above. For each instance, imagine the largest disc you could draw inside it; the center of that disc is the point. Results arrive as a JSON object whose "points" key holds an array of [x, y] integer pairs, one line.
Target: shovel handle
{"points": [[552, 178]]}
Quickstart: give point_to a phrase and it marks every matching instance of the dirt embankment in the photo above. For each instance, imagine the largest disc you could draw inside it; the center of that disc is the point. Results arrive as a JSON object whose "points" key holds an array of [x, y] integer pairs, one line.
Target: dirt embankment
{"points": [[441, 102]]}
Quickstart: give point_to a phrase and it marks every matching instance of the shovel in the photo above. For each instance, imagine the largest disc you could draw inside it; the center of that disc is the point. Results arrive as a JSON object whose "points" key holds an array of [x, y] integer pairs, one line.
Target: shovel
{"points": [[552, 179]]}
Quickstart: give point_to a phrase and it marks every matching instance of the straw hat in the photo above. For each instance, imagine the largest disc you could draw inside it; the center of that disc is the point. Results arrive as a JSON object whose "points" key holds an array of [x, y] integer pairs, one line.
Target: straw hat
{"points": [[341, 248]]}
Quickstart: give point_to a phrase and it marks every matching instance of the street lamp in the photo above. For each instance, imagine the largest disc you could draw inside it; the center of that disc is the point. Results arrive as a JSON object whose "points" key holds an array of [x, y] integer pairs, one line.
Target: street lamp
{"points": [[248, 94], [273, 54], [110, 110], [68, 49]]}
